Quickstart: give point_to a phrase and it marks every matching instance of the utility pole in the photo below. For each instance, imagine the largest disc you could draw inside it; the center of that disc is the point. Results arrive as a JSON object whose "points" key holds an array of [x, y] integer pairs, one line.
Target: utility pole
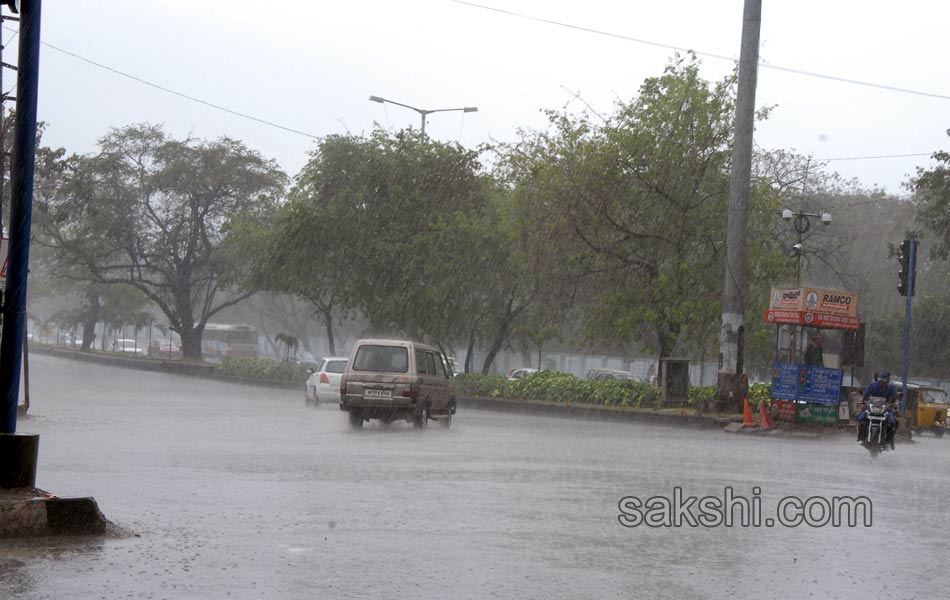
{"points": [[21, 209], [733, 325]]}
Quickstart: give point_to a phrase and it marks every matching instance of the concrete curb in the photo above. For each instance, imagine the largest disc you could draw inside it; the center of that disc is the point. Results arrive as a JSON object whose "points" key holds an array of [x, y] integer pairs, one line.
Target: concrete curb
{"points": [[593, 412], [174, 367], [40, 517]]}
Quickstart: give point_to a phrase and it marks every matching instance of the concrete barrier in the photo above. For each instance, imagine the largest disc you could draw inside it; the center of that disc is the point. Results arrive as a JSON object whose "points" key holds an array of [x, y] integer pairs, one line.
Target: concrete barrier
{"points": [[592, 411], [162, 365], [32, 513]]}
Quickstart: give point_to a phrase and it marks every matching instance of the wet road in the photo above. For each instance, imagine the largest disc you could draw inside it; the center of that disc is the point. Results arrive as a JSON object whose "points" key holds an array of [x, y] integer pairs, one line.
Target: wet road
{"points": [[242, 492]]}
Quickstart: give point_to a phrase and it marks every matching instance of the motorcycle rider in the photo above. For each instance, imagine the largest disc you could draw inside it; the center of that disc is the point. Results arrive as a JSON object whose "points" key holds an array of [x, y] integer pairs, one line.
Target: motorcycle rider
{"points": [[881, 387]]}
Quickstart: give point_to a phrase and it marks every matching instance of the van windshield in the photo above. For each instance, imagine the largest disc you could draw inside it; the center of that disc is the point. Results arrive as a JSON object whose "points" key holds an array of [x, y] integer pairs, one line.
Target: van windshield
{"points": [[382, 359]]}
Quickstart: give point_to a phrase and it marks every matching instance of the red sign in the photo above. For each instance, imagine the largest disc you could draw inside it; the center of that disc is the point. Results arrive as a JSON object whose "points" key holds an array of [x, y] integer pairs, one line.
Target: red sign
{"points": [[812, 319], [785, 410]]}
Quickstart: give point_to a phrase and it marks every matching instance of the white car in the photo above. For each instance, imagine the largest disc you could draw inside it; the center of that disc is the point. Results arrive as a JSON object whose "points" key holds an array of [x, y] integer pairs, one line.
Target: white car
{"points": [[515, 374], [323, 385], [127, 347]]}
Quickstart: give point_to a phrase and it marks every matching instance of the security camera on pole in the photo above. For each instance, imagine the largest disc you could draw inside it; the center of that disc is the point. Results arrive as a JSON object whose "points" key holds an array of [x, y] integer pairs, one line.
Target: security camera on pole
{"points": [[802, 223]]}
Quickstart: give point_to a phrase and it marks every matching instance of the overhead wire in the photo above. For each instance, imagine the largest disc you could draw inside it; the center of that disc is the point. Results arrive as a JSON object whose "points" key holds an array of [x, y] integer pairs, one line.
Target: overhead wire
{"points": [[762, 64], [269, 123], [875, 157], [179, 94]]}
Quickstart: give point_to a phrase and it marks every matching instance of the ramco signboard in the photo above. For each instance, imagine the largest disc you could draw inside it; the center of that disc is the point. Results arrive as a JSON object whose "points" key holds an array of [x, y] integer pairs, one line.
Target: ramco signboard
{"points": [[834, 302]]}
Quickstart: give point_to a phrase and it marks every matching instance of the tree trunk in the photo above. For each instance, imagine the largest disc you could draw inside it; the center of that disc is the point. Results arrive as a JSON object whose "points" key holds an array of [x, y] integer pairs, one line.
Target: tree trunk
{"points": [[490, 357], [191, 343], [501, 336], [469, 352], [667, 335], [328, 319], [89, 323], [539, 357], [497, 343]]}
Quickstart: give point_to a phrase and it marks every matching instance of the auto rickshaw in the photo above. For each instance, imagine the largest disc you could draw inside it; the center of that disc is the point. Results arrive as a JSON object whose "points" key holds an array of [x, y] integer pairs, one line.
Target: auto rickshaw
{"points": [[927, 407]]}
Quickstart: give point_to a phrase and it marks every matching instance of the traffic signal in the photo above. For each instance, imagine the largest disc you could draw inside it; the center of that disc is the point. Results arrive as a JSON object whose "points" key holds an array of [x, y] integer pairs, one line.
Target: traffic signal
{"points": [[907, 255]]}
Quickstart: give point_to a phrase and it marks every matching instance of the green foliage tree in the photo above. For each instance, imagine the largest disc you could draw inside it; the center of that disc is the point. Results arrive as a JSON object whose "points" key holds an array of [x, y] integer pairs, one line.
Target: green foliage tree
{"points": [[932, 193], [640, 202], [153, 213], [397, 227]]}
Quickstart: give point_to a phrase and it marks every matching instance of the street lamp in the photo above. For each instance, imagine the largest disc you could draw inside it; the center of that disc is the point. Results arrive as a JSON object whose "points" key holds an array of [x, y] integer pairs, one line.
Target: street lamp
{"points": [[801, 223], [422, 111]]}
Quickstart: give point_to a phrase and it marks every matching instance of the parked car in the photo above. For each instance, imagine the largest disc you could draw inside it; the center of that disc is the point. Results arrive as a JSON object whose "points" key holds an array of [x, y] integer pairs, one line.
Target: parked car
{"points": [[302, 357], [608, 374], [162, 348], [126, 346], [323, 385], [393, 380], [453, 365], [514, 374]]}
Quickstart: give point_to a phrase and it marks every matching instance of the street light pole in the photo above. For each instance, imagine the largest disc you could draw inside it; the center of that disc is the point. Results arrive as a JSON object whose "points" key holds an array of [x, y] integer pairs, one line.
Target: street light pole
{"points": [[802, 225], [423, 112]]}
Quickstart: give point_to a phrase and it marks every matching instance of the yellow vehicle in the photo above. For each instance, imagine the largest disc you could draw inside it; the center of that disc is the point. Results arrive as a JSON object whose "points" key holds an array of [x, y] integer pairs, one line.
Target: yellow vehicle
{"points": [[927, 407]]}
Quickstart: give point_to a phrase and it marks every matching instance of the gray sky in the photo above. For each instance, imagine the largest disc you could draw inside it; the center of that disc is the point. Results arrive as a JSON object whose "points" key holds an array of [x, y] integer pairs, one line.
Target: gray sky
{"points": [[312, 65]]}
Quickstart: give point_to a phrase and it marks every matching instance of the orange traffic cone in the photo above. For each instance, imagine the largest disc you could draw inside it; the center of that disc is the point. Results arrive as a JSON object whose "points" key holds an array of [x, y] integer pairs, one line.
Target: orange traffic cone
{"points": [[764, 421], [746, 414]]}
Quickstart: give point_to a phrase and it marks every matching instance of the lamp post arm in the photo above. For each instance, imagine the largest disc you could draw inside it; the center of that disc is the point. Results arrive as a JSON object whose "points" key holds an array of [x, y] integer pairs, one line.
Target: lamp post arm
{"points": [[461, 108], [418, 110]]}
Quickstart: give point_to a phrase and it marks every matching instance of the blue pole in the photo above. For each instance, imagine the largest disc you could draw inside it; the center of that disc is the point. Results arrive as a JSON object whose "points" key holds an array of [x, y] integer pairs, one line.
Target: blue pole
{"points": [[911, 274], [21, 208]]}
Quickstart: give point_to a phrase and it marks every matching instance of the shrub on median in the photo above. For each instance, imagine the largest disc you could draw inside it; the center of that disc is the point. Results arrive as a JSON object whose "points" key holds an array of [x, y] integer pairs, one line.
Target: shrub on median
{"points": [[263, 369], [555, 386]]}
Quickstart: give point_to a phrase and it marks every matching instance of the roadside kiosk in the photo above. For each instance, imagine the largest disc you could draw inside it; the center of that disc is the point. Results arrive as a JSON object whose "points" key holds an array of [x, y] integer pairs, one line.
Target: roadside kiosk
{"points": [[811, 393]]}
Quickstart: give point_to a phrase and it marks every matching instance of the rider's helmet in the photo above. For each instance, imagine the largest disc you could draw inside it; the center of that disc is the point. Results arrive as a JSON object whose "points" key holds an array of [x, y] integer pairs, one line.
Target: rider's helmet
{"points": [[882, 376]]}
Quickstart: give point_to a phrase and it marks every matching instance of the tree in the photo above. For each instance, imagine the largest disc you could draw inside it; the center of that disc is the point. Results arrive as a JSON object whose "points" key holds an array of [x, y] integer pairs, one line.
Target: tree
{"points": [[932, 194], [383, 226], [153, 213], [640, 194]]}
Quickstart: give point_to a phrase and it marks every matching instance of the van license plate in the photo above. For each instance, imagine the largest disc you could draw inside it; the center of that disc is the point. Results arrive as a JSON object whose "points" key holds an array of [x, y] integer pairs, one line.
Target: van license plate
{"points": [[371, 393]]}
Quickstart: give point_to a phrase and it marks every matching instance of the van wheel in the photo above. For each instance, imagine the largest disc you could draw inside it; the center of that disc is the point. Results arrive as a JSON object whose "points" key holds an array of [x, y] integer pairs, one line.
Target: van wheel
{"points": [[447, 420], [421, 418], [356, 419], [938, 431]]}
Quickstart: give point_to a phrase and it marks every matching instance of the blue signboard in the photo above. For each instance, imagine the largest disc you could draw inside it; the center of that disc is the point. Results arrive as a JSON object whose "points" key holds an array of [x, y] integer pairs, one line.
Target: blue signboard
{"points": [[784, 381], [806, 383], [821, 386]]}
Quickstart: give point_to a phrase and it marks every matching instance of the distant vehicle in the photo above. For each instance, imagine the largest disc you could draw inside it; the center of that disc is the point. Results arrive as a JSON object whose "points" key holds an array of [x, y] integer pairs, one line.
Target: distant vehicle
{"points": [[453, 365], [302, 357], [608, 374], [127, 346], [162, 348], [222, 341], [323, 385], [393, 380], [519, 373]]}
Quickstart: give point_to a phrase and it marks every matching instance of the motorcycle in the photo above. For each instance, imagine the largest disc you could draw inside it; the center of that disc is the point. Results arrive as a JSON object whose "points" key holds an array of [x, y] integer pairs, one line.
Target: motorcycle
{"points": [[876, 438]]}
